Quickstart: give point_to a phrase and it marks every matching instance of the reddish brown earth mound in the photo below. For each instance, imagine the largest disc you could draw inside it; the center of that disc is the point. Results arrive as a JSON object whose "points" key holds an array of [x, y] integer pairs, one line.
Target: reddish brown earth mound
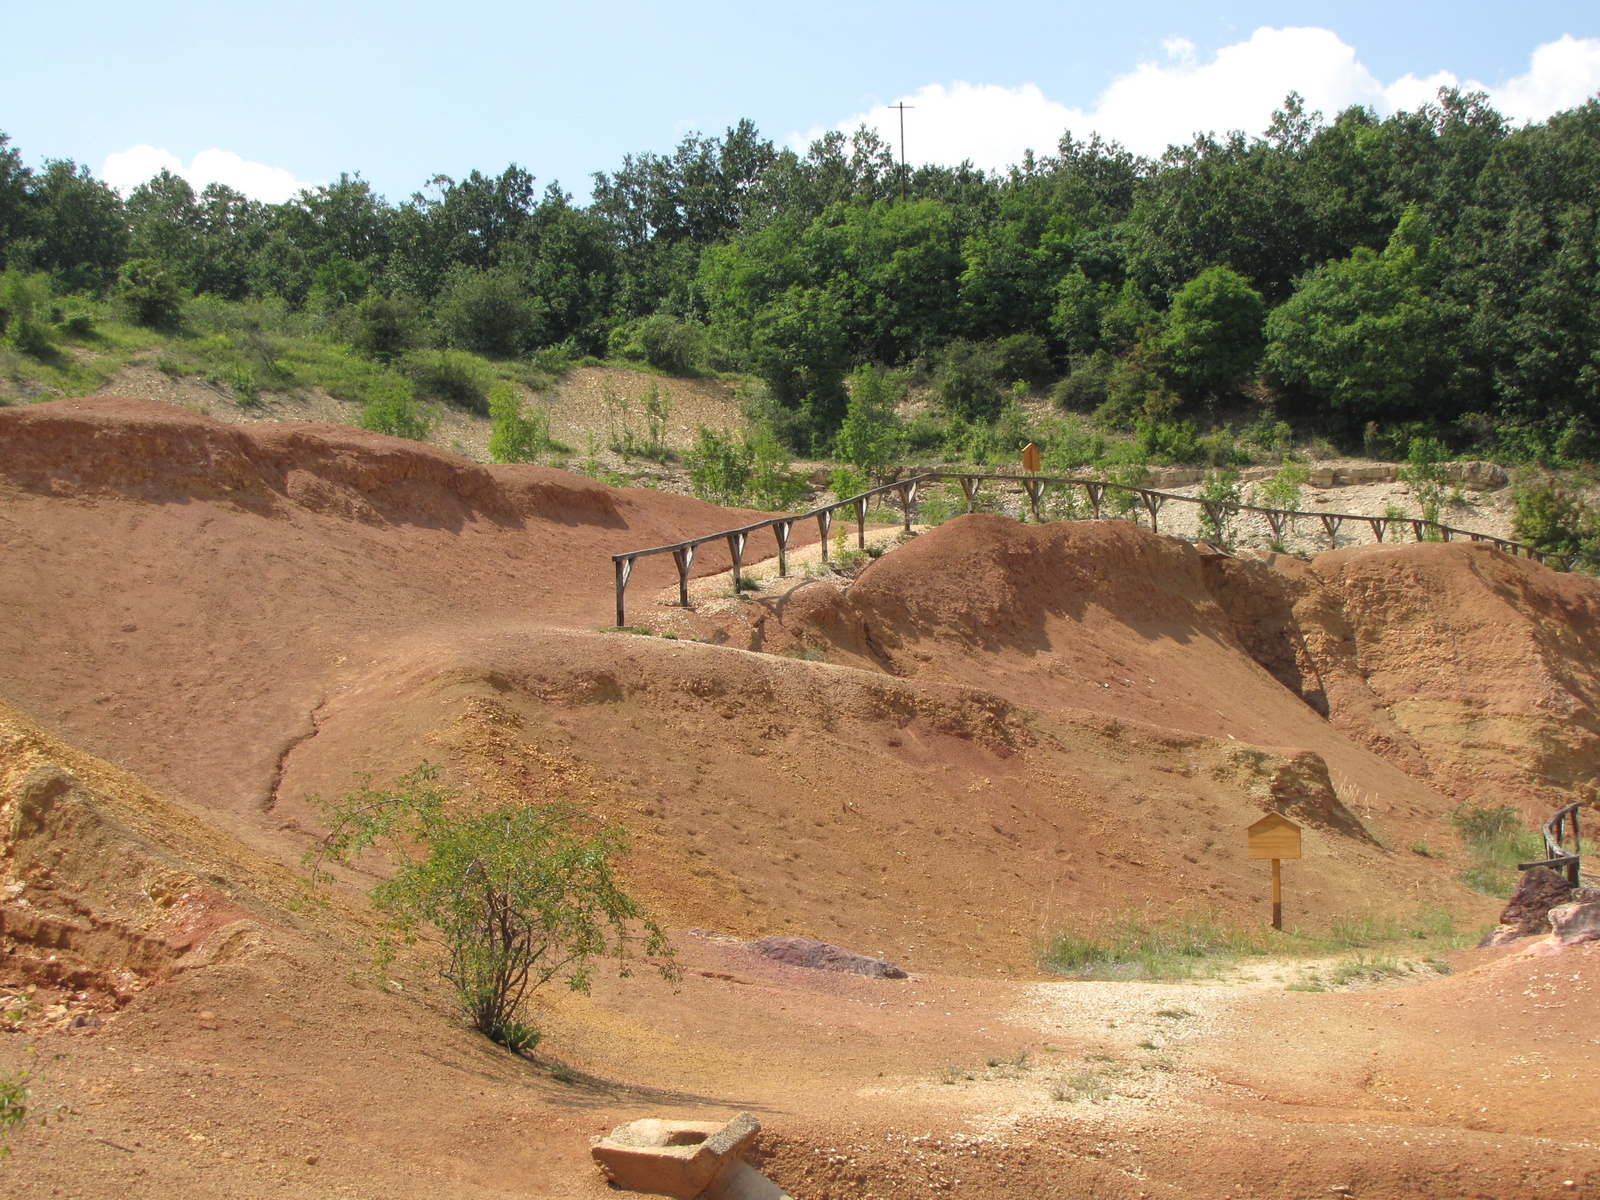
{"points": [[1012, 724]]}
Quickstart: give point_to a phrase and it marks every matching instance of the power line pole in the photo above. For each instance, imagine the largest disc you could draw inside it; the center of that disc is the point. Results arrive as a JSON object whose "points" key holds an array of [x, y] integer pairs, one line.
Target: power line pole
{"points": [[902, 106]]}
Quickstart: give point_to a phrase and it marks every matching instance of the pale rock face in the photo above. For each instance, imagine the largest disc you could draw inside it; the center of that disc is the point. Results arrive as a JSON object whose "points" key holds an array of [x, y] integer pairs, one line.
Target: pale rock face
{"points": [[1575, 923]]}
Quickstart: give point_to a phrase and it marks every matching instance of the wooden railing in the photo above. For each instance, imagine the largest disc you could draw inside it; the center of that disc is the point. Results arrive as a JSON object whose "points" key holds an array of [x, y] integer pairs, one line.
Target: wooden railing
{"points": [[1556, 853], [1035, 487]]}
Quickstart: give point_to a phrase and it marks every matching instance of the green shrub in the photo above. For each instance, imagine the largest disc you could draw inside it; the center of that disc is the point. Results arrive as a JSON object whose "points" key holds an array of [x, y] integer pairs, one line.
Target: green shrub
{"points": [[1166, 442], [553, 360], [32, 338], [518, 434], [846, 482], [926, 431], [522, 894], [935, 507], [385, 327], [1283, 490], [1025, 357], [719, 471], [451, 376], [774, 485], [24, 300], [490, 311], [966, 381], [246, 391], [150, 294], [73, 319], [1088, 386], [750, 472], [1554, 522], [1221, 488], [392, 409], [664, 341], [624, 440], [1271, 437], [1069, 443]]}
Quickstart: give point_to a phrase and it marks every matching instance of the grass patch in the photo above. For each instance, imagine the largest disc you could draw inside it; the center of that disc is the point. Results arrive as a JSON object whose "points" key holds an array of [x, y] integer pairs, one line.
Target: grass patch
{"points": [[1135, 944], [1497, 839], [1084, 1087]]}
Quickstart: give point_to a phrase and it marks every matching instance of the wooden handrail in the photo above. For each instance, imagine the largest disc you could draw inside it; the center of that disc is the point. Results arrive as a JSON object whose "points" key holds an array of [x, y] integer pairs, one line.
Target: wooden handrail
{"points": [[1034, 486], [1555, 845]]}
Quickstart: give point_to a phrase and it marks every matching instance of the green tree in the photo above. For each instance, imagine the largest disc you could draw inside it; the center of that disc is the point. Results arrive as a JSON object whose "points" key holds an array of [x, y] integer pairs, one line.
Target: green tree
{"points": [[1366, 335], [79, 231], [1078, 312], [521, 894], [870, 435], [1212, 336], [16, 216]]}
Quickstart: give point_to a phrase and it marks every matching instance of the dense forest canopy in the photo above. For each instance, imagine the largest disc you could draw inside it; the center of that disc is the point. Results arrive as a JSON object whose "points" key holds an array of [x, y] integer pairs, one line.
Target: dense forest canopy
{"points": [[1433, 271]]}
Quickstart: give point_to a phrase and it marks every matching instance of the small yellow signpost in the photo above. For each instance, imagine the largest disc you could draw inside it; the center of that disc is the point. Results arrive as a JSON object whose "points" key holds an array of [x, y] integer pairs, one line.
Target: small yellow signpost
{"points": [[1275, 837], [1032, 460]]}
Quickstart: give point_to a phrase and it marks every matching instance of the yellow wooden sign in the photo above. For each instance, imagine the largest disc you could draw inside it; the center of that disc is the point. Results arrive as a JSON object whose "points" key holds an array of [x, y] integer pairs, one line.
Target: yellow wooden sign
{"points": [[1274, 836], [1032, 460]]}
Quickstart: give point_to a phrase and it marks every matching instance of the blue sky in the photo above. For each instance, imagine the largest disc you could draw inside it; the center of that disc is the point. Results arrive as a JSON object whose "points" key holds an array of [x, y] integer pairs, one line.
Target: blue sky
{"points": [[297, 92]]}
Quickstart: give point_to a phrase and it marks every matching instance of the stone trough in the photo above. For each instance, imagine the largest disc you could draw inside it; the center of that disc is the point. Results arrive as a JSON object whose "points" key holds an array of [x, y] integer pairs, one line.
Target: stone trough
{"points": [[686, 1159]]}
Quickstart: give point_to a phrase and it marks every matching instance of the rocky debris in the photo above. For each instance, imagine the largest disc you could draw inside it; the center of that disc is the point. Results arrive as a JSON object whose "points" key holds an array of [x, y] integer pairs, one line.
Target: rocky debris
{"points": [[1538, 891], [823, 956], [686, 1159]]}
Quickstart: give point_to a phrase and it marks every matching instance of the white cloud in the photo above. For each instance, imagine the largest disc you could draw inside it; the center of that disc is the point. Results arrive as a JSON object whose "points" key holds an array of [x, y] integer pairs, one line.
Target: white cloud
{"points": [[129, 168], [1159, 103], [1562, 74]]}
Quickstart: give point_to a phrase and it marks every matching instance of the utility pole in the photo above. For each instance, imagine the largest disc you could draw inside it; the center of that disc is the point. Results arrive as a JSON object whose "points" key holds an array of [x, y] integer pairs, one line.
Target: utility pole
{"points": [[902, 106]]}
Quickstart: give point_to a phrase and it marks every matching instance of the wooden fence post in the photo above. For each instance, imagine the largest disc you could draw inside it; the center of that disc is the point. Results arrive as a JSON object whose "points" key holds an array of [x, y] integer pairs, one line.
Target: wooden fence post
{"points": [[684, 558], [736, 551], [624, 569], [969, 485], [780, 530]]}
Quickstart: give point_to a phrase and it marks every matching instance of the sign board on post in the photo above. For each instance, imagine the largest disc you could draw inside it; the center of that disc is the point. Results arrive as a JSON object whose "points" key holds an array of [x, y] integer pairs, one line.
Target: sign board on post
{"points": [[1275, 837], [1032, 460]]}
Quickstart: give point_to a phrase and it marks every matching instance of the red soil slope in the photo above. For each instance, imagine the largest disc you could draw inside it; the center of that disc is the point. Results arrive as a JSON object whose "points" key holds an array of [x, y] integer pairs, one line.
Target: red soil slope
{"points": [[1013, 723]]}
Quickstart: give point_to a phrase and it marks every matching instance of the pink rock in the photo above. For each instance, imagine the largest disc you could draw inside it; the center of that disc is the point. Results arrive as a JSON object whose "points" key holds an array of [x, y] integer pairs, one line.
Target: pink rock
{"points": [[824, 956], [1575, 923]]}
